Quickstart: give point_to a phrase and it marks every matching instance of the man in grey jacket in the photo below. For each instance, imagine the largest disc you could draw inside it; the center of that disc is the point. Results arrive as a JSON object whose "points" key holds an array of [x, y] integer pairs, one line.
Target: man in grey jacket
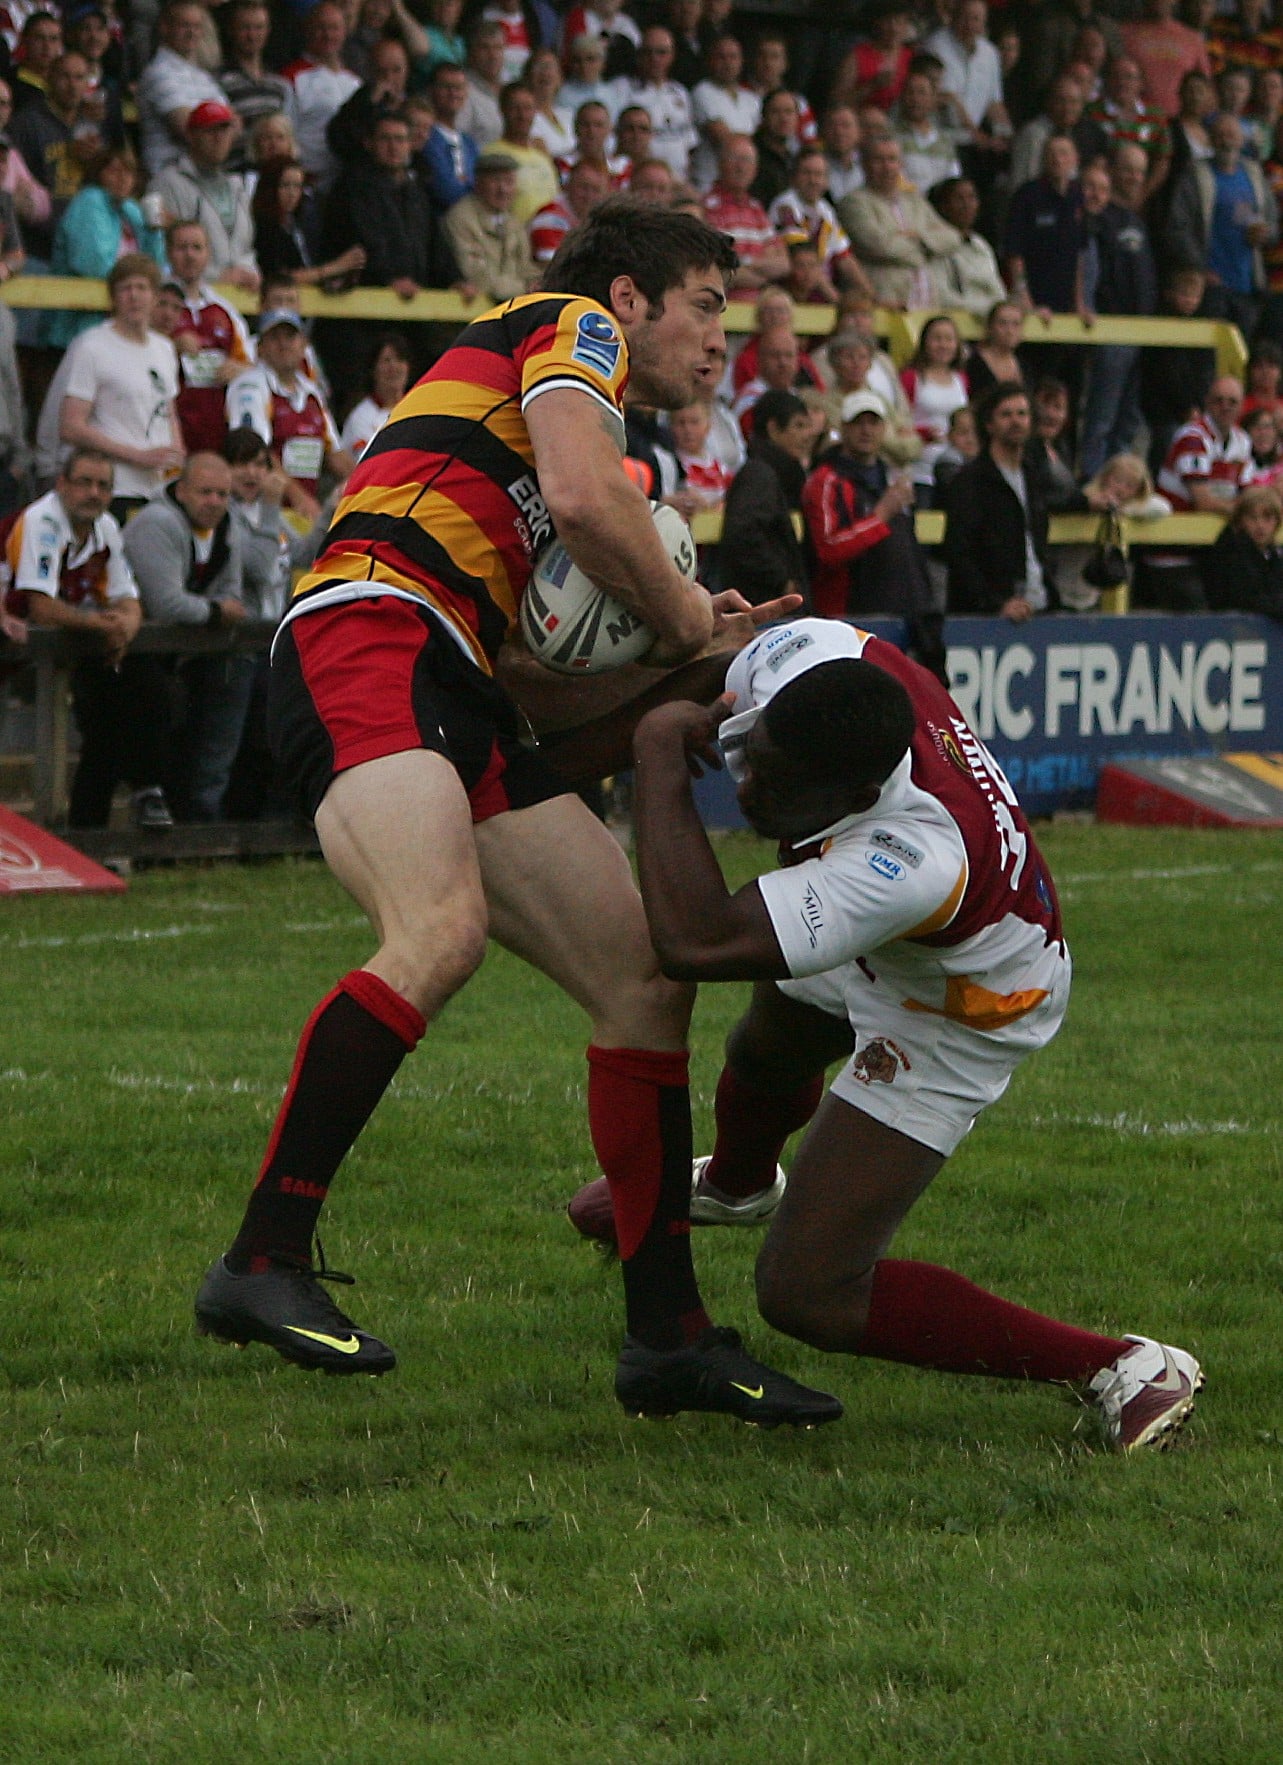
{"points": [[198, 187], [189, 561]]}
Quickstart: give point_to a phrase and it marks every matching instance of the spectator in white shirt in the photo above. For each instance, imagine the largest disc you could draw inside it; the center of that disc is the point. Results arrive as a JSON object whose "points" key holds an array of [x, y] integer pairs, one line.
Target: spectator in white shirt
{"points": [[721, 107], [667, 104], [173, 84], [321, 85], [121, 386], [481, 116], [585, 82], [972, 68], [840, 135]]}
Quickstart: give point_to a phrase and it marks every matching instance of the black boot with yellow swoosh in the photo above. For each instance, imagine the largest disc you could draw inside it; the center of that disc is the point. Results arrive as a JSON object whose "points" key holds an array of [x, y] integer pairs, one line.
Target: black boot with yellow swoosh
{"points": [[287, 1308], [716, 1373]]}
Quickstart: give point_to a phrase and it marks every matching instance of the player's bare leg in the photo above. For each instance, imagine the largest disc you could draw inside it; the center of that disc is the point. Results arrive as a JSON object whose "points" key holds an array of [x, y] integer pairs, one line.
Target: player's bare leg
{"points": [[397, 833], [823, 1276], [561, 896]]}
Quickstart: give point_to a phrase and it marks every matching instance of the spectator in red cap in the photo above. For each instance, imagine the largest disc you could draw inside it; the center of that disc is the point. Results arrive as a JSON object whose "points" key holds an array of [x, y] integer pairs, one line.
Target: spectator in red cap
{"points": [[198, 187]]}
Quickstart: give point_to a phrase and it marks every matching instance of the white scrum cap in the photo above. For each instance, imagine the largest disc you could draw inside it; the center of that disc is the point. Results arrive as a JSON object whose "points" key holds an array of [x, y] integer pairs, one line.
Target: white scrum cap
{"points": [[779, 655]]}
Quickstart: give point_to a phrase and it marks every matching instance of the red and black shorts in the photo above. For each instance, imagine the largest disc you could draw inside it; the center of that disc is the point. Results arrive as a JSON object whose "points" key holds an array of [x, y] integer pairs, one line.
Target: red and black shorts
{"points": [[371, 677]]}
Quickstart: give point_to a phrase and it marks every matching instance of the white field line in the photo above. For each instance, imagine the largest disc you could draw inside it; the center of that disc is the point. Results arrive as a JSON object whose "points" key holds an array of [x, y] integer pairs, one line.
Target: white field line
{"points": [[142, 935], [1129, 1126]]}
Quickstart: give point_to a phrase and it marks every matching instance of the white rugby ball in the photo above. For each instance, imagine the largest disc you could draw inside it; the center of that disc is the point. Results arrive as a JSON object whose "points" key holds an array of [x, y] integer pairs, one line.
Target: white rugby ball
{"points": [[574, 627]]}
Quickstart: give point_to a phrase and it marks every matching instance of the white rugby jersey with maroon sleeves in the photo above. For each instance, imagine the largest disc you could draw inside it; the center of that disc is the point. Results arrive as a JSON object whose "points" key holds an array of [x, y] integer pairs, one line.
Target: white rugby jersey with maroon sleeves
{"points": [[939, 891]]}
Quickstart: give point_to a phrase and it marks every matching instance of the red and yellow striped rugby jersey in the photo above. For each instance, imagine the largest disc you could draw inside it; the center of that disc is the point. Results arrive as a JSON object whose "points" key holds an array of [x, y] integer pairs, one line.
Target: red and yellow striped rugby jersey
{"points": [[445, 504]]}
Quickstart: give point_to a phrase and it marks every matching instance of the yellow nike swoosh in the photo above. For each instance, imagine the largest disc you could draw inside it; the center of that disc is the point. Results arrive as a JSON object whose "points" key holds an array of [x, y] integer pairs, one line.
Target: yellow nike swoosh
{"points": [[351, 1346], [748, 1390]]}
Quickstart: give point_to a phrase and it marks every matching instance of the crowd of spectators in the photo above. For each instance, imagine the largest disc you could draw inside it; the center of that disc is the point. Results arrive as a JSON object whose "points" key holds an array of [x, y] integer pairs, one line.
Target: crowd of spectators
{"points": [[931, 156]]}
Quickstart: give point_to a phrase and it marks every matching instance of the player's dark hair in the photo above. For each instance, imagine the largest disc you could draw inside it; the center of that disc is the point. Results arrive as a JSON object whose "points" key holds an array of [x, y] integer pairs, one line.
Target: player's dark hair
{"points": [[624, 237], [843, 721]]}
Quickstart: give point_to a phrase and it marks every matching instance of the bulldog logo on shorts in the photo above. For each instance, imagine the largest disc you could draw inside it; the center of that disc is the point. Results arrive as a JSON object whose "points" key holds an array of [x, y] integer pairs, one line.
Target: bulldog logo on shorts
{"points": [[880, 1062]]}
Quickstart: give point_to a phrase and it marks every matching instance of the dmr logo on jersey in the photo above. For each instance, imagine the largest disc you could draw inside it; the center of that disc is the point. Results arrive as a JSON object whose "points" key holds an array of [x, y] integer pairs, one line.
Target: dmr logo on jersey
{"points": [[1137, 689]]}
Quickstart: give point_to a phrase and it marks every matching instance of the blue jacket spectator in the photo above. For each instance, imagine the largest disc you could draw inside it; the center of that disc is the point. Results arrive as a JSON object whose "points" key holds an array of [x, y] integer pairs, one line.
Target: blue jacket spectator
{"points": [[102, 221]]}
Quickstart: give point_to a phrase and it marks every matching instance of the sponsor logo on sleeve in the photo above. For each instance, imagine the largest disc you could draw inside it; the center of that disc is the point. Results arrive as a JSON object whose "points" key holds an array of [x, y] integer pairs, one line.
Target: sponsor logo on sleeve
{"points": [[597, 344], [898, 848], [812, 915], [884, 866]]}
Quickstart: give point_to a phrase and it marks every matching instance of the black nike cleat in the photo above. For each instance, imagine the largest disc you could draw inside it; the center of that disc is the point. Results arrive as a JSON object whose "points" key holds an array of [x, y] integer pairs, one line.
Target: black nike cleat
{"points": [[714, 1373], [287, 1308]]}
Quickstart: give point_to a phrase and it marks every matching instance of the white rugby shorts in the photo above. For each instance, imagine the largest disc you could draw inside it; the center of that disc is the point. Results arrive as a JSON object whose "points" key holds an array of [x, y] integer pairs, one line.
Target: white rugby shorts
{"points": [[927, 1076]]}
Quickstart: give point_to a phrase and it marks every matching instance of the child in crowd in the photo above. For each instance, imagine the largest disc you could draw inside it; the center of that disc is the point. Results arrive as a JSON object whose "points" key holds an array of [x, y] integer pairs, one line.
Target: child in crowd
{"points": [[962, 446], [1264, 371], [705, 476], [1267, 451], [1243, 571], [1124, 485]]}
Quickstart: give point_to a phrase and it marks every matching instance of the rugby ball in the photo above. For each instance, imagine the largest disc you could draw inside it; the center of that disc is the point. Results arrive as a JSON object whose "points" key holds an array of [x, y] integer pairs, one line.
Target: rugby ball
{"points": [[573, 627]]}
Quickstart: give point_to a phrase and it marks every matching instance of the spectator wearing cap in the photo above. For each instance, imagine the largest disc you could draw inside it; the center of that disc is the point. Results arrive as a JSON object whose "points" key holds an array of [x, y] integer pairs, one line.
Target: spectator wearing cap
{"points": [[283, 406], [173, 84], [198, 187], [859, 517], [762, 555], [492, 247]]}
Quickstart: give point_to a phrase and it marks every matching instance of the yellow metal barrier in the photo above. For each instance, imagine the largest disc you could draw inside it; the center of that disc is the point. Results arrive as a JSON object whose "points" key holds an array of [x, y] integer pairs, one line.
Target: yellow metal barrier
{"points": [[1180, 530], [903, 330], [440, 306]]}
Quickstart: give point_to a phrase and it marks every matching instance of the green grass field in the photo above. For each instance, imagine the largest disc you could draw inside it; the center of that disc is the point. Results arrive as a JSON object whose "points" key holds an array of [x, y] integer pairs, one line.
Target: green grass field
{"points": [[206, 1555]]}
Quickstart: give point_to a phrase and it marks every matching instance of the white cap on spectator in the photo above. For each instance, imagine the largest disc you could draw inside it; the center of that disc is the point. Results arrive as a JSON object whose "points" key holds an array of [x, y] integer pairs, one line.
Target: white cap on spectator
{"points": [[855, 404], [771, 661]]}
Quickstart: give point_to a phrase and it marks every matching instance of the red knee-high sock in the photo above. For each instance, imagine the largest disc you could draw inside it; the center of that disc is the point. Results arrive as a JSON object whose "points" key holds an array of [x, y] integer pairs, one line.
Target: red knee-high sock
{"points": [[350, 1049], [931, 1317], [752, 1126], [640, 1119]]}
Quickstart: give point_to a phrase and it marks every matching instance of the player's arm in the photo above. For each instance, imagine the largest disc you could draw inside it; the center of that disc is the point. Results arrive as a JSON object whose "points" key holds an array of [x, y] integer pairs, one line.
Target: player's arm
{"points": [[701, 932], [604, 521]]}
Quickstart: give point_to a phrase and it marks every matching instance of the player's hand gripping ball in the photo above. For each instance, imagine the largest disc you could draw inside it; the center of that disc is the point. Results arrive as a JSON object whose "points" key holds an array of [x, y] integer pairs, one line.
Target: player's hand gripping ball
{"points": [[572, 627]]}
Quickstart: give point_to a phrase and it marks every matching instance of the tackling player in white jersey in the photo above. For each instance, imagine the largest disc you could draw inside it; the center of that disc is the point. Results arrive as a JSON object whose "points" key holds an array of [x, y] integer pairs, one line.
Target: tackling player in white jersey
{"points": [[912, 931]]}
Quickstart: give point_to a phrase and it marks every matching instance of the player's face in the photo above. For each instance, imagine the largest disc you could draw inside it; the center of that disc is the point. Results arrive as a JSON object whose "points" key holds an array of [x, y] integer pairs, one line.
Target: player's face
{"points": [[676, 352], [777, 799]]}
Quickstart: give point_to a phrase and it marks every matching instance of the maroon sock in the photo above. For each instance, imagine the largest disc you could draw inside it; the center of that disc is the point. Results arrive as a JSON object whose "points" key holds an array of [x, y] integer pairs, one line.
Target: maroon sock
{"points": [[350, 1049], [752, 1126], [930, 1317], [640, 1119]]}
